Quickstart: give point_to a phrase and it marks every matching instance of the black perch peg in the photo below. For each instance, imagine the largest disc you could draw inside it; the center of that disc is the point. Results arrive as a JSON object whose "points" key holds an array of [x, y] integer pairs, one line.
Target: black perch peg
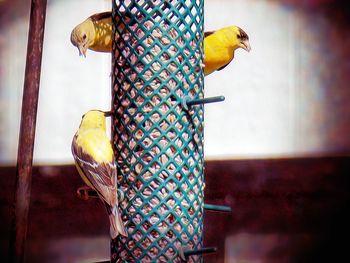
{"points": [[218, 208], [187, 101], [185, 253]]}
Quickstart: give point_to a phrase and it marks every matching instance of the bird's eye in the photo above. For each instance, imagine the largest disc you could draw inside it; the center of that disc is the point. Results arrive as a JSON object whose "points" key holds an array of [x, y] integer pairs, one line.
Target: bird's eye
{"points": [[84, 36], [238, 36]]}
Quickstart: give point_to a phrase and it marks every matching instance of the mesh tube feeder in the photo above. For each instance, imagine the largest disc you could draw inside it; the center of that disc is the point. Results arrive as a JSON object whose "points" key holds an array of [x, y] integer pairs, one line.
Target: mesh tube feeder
{"points": [[157, 61]]}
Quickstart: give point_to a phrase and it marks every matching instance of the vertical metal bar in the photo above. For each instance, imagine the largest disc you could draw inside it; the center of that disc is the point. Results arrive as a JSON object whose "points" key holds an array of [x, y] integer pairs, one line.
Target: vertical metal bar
{"points": [[27, 130]]}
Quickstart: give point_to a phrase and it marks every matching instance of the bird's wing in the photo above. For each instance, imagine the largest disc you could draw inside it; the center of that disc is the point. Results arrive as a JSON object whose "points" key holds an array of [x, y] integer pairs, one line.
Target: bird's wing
{"points": [[224, 66], [208, 33], [100, 16], [102, 176], [108, 14]]}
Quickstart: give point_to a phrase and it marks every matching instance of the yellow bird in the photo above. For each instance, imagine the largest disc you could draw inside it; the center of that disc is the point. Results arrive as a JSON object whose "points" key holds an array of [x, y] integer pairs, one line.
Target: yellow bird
{"points": [[220, 45], [94, 159], [94, 33]]}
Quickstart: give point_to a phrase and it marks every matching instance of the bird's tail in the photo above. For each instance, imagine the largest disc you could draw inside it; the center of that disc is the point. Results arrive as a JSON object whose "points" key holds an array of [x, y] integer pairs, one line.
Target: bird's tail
{"points": [[116, 223]]}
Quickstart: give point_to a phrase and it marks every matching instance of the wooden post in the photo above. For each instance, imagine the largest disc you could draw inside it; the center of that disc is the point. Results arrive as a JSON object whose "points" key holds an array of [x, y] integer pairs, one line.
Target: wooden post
{"points": [[27, 131]]}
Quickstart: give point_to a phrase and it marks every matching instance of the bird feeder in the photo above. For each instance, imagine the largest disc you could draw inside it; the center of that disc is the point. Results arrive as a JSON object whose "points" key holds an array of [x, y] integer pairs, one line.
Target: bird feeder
{"points": [[157, 132]]}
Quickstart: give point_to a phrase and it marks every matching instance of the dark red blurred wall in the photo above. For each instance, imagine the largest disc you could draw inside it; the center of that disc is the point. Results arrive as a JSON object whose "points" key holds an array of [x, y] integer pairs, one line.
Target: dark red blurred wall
{"points": [[284, 210]]}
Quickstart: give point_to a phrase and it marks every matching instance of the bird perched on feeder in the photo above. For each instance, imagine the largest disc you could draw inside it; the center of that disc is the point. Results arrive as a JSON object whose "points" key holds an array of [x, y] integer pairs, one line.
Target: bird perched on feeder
{"points": [[220, 45], [94, 159], [94, 33]]}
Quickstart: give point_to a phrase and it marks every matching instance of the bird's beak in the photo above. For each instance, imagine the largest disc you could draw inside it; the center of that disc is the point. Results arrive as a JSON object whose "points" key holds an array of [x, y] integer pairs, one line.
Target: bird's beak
{"points": [[245, 45], [82, 50], [108, 113]]}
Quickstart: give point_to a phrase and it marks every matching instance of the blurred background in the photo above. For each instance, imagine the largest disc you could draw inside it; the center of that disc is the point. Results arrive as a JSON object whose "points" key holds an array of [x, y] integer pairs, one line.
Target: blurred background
{"points": [[277, 149]]}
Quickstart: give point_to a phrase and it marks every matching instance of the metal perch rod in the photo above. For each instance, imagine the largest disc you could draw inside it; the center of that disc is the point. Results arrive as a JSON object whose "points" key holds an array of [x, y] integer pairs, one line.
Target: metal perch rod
{"points": [[187, 101], [185, 253], [219, 208]]}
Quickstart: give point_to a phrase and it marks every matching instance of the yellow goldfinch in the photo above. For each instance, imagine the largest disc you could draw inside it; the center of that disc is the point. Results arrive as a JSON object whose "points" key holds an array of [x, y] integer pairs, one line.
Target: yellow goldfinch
{"points": [[94, 159], [220, 45], [94, 33]]}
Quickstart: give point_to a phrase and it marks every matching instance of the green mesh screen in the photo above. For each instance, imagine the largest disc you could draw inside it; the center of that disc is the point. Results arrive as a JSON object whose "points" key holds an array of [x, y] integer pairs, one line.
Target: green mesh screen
{"points": [[156, 61]]}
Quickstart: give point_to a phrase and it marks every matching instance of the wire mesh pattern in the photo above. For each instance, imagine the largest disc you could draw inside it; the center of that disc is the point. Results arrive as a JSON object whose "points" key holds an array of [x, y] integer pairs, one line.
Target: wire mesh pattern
{"points": [[157, 60]]}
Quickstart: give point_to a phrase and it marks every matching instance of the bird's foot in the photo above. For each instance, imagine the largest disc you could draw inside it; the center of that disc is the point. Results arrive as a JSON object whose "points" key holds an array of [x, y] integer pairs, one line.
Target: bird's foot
{"points": [[85, 192]]}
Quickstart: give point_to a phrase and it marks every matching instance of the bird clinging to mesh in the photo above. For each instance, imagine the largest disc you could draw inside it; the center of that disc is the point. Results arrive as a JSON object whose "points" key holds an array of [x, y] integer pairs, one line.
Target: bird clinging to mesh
{"points": [[94, 159], [94, 33], [220, 45]]}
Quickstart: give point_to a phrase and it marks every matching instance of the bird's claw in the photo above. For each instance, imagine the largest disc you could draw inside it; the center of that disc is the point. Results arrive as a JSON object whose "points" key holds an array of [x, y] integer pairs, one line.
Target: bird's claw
{"points": [[84, 192]]}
